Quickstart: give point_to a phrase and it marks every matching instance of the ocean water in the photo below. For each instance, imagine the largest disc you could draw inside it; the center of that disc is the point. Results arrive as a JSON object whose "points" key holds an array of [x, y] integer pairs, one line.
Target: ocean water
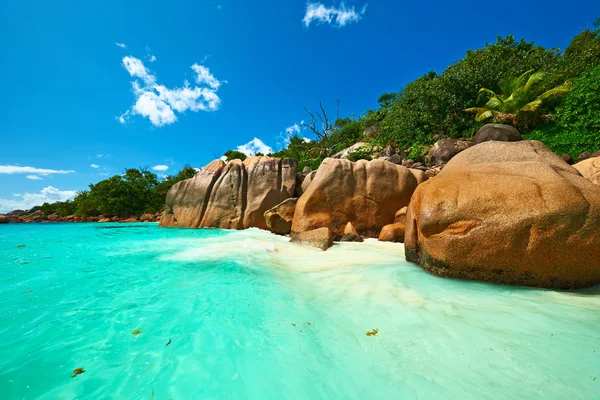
{"points": [[153, 313]]}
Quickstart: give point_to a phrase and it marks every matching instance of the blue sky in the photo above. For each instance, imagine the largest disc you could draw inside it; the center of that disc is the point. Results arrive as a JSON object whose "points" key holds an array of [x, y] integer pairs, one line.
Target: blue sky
{"points": [[90, 89]]}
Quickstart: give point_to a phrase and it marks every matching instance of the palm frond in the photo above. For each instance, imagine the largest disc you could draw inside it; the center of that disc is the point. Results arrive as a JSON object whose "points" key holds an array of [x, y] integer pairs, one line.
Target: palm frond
{"points": [[534, 79], [554, 92], [532, 106], [488, 91], [484, 114]]}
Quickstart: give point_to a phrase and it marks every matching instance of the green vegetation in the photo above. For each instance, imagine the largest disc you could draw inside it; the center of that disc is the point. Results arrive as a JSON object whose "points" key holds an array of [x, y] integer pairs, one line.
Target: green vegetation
{"points": [[136, 192], [433, 106], [234, 154], [522, 102]]}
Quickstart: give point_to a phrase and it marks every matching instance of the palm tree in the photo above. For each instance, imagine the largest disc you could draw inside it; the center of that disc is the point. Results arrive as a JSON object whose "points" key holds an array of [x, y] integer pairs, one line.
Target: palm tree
{"points": [[522, 100]]}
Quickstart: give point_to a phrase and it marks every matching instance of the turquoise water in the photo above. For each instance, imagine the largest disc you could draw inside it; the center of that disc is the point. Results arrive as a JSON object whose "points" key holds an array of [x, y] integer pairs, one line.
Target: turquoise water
{"points": [[248, 315]]}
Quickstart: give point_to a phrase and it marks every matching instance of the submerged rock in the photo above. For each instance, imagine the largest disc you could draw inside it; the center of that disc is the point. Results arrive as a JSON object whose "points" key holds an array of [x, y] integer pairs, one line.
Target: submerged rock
{"points": [[231, 196], [366, 193], [321, 238], [589, 169], [510, 213], [279, 218]]}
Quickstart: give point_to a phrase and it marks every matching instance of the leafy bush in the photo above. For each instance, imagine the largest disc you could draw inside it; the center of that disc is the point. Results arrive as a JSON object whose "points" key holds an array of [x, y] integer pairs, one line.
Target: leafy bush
{"points": [[577, 127], [234, 154]]}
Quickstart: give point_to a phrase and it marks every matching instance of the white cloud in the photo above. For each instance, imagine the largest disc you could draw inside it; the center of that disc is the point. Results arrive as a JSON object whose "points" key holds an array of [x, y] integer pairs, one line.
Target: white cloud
{"points": [[159, 103], [17, 169], [160, 167], [294, 129], [152, 58], [121, 45], [122, 119], [25, 201], [94, 166], [255, 146], [336, 16], [34, 177], [136, 68], [204, 76]]}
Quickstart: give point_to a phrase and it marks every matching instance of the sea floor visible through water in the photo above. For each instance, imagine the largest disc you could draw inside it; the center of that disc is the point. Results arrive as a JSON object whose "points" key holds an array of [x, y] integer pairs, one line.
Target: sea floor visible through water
{"points": [[152, 313]]}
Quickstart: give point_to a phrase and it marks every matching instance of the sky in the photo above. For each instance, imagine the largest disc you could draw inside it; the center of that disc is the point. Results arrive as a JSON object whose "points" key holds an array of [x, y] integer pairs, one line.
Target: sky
{"points": [[92, 88]]}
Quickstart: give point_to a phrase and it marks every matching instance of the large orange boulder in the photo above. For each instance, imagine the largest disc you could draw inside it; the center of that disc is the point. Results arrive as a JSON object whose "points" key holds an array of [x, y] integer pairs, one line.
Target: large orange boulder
{"points": [[231, 196], [366, 193], [510, 213], [589, 169]]}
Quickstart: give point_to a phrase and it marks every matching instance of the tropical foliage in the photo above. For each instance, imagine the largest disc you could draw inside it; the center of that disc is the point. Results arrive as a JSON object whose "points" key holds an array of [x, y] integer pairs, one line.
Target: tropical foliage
{"points": [[523, 103], [525, 85], [135, 192]]}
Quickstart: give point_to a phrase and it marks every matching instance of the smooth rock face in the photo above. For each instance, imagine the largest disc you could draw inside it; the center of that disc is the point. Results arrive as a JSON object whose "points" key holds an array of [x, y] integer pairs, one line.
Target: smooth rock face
{"points": [[366, 193], [590, 169], [510, 213], [400, 215], [498, 132], [279, 218], [350, 234], [231, 196], [321, 238], [443, 150], [392, 233], [307, 181], [347, 151]]}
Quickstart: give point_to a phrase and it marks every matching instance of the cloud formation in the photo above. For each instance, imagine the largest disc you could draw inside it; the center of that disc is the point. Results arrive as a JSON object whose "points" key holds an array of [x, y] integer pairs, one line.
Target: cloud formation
{"points": [[159, 103], [160, 167], [336, 16], [34, 177], [25, 201], [121, 45], [254, 146], [17, 169]]}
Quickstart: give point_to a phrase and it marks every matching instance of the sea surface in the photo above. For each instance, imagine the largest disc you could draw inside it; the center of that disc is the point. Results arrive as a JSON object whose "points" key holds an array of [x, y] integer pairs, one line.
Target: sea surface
{"points": [[153, 313]]}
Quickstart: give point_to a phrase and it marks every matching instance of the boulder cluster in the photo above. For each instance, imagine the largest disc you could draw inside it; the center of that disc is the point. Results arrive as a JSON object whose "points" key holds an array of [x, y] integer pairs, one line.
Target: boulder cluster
{"points": [[498, 209], [21, 216]]}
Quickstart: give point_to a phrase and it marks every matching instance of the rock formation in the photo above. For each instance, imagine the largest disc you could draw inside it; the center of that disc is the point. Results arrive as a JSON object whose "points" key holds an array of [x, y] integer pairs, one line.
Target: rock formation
{"points": [[443, 150], [231, 196], [350, 234], [366, 193], [321, 238], [498, 132], [590, 169], [507, 212], [279, 218], [395, 232]]}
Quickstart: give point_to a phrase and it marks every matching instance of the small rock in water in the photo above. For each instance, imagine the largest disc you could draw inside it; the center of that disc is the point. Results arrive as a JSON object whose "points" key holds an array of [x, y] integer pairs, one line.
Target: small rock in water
{"points": [[20, 246], [136, 332], [373, 332]]}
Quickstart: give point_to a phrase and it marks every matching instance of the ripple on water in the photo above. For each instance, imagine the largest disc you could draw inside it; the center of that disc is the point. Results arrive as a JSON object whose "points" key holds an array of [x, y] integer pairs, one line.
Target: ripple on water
{"points": [[249, 315]]}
